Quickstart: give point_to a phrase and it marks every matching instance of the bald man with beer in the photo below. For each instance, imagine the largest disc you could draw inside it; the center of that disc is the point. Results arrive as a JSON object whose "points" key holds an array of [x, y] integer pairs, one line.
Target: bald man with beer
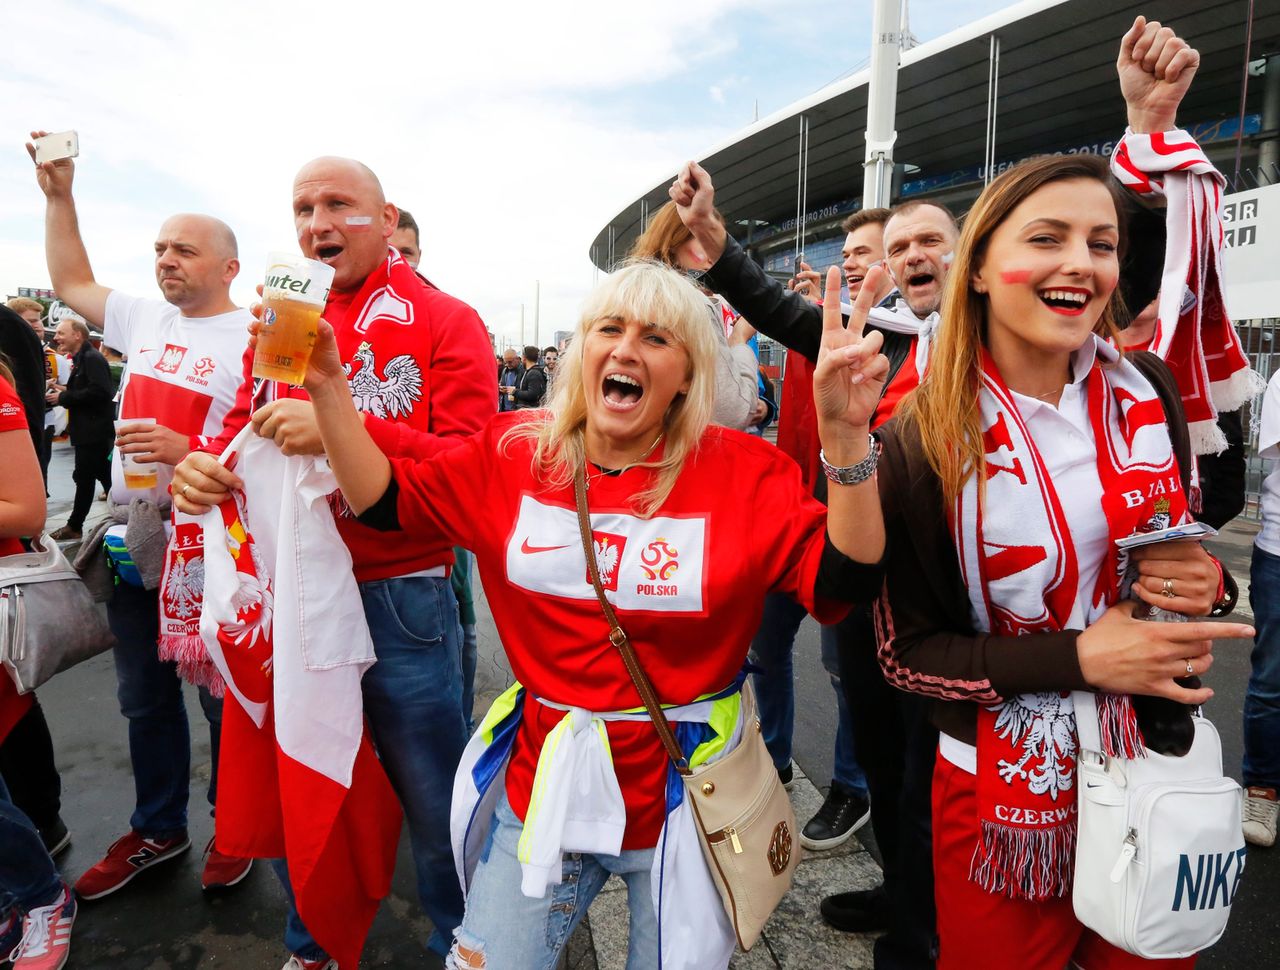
{"points": [[420, 368]]}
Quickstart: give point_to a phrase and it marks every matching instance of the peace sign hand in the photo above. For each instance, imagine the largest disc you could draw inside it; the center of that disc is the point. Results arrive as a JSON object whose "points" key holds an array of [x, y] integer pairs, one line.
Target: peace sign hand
{"points": [[851, 371]]}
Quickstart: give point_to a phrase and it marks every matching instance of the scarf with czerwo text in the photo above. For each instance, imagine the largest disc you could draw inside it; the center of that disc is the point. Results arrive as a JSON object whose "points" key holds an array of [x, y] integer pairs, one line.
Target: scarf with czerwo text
{"points": [[1023, 576]]}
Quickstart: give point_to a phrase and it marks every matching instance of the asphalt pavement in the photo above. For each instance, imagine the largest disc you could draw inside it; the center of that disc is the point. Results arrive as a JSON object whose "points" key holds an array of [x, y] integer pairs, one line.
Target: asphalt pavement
{"points": [[162, 921]]}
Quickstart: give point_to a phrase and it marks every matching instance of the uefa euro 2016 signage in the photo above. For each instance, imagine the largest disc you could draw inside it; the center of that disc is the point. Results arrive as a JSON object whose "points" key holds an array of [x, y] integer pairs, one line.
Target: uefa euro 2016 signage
{"points": [[1205, 133], [1250, 269]]}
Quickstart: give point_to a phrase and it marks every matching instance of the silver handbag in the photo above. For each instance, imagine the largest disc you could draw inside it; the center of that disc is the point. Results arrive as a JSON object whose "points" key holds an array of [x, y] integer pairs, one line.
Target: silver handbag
{"points": [[48, 619]]}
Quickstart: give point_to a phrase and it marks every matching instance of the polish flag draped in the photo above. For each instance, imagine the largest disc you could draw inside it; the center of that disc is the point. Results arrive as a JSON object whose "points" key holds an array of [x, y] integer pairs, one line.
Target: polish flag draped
{"points": [[283, 622]]}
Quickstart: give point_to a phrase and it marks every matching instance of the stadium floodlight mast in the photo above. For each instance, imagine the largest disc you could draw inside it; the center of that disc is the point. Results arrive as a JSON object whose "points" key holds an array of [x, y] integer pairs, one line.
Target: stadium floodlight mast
{"points": [[882, 101]]}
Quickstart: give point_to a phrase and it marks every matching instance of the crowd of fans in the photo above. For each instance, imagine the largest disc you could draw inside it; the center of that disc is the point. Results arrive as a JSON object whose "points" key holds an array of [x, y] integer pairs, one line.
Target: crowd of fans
{"points": [[966, 429]]}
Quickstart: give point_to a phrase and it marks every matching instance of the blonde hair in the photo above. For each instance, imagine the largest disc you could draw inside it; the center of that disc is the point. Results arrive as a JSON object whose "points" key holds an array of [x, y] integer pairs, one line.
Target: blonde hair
{"points": [[647, 291], [21, 304], [946, 406]]}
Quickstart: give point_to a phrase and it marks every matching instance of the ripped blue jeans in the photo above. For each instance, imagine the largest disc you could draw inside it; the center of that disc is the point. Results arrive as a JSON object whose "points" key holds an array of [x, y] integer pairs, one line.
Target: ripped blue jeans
{"points": [[504, 928]]}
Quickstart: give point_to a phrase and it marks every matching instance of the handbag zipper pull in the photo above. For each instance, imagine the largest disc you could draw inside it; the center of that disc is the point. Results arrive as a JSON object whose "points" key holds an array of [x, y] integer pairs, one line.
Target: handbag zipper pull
{"points": [[1127, 851], [733, 837]]}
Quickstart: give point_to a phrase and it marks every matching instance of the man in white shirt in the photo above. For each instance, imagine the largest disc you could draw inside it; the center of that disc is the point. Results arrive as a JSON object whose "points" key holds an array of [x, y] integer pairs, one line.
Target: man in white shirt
{"points": [[185, 364], [1262, 699]]}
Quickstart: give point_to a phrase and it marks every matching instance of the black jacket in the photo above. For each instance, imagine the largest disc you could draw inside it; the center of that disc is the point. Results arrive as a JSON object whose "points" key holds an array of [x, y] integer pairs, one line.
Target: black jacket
{"points": [[780, 313], [532, 387], [88, 399], [1222, 483]]}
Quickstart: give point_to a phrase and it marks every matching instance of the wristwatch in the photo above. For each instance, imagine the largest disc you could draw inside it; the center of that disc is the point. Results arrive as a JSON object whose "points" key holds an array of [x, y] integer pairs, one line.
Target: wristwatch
{"points": [[853, 474]]}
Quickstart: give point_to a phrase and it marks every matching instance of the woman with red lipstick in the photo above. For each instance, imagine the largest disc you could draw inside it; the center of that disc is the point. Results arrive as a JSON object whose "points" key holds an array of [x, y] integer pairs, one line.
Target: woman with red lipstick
{"points": [[1029, 448], [570, 785]]}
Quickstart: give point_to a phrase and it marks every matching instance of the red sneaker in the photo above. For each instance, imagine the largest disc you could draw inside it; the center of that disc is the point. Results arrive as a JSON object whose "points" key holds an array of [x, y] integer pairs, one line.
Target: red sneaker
{"points": [[46, 935], [298, 963], [222, 871], [127, 857]]}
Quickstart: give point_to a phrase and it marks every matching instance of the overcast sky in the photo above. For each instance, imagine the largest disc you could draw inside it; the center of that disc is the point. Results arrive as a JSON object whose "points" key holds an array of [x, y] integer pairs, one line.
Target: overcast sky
{"points": [[512, 131]]}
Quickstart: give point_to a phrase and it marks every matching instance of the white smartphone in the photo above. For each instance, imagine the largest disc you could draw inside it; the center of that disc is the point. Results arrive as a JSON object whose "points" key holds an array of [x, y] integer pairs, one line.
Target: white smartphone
{"points": [[63, 144]]}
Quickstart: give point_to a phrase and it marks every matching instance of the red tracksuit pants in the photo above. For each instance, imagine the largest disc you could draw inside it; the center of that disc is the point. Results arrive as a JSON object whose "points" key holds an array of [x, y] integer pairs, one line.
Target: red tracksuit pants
{"points": [[981, 929]]}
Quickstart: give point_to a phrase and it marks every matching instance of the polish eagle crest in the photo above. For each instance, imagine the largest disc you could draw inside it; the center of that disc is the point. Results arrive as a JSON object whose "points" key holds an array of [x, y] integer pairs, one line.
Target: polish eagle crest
{"points": [[606, 559], [1044, 730], [184, 586], [390, 395]]}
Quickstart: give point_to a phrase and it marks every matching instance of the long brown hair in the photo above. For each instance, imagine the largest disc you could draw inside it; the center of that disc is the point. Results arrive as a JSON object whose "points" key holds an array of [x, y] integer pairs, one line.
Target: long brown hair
{"points": [[945, 406], [665, 234]]}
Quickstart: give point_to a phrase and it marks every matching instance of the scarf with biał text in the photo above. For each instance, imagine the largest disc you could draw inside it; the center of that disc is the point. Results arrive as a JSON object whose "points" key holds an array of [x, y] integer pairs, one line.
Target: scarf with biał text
{"points": [[1023, 576], [1193, 334]]}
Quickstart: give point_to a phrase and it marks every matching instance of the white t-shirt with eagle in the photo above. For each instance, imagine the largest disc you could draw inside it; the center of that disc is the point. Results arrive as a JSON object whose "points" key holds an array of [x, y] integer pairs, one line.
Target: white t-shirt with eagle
{"points": [[182, 371]]}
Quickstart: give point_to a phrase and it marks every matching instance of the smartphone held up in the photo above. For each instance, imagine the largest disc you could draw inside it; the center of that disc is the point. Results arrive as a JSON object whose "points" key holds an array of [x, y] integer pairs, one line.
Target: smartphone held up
{"points": [[52, 148]]}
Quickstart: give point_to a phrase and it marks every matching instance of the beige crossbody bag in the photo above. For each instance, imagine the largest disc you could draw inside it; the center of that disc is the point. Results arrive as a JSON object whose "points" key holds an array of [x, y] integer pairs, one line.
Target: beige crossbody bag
{"points": [[745, 820]]}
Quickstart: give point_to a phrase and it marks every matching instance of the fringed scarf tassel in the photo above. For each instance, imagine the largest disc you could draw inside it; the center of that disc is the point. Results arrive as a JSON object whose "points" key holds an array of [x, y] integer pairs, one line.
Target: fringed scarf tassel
{"points": [[1118, 727], [1025, 863]]}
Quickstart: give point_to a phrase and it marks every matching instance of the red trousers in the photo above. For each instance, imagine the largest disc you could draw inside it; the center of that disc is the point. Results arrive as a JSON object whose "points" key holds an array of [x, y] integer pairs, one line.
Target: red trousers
{"points": [[981, 929]]}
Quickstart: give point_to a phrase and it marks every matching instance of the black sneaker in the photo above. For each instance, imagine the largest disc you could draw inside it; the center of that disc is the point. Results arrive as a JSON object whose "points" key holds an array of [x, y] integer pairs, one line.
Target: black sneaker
{"points": [[787, 776], [866, 911], [842, 814], [55, 837]]}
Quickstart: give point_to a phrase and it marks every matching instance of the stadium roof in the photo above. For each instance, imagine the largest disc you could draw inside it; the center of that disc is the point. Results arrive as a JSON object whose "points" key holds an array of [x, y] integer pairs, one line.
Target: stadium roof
{"points": [[1057, 87]]}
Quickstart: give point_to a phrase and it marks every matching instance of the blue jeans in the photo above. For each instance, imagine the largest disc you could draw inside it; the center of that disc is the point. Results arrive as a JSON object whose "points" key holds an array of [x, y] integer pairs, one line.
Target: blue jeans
{"points": [[775, 689], [27, 875], [413, 700], [513, 930], [1262, 699], [150, 695]]}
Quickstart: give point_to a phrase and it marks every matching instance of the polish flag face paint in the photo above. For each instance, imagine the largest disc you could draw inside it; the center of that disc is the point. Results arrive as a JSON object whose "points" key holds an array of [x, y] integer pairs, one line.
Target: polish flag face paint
{"points": [[1013, 276], [359, 222]]}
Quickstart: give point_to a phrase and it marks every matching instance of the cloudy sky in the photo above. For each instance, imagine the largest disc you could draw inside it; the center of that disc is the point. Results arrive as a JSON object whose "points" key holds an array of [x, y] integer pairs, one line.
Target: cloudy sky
{"points": [[511, 130]]}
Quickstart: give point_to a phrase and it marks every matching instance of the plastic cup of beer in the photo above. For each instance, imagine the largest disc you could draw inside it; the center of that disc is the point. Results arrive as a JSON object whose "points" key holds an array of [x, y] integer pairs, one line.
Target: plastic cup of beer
{"points": [[293, 296], [137, 474]]}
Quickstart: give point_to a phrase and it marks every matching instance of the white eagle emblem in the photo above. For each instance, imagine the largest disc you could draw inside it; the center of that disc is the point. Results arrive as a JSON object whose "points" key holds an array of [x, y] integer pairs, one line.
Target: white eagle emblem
{"points": [[391, 395], [184, 586], [1045, 732], [606, 559]]}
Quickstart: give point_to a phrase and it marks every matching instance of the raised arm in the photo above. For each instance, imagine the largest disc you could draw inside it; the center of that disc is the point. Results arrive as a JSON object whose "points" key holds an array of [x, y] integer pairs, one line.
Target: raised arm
{"points": [[1155, 68], [772, 309], [846, 388], [69, 268]]}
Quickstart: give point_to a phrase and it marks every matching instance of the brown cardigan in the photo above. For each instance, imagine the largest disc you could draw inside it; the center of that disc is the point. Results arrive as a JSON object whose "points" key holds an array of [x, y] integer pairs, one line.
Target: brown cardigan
{"points": [[927, 642]]}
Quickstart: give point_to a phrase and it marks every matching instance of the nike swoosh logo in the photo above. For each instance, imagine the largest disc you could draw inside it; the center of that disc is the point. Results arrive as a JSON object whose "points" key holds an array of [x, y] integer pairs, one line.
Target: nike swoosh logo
{"points": [[526, 548]]}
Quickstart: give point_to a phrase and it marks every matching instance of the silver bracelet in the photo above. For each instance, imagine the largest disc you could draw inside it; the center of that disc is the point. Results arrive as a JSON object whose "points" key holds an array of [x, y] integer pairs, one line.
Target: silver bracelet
{"points": [[853, 474]]}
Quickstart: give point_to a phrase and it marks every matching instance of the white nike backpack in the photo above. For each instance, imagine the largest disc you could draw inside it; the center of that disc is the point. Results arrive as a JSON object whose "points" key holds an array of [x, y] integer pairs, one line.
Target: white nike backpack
{"points": [[1160, 849]]}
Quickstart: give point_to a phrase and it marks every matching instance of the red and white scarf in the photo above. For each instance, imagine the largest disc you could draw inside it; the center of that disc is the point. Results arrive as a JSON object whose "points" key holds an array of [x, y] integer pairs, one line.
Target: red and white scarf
{"points": [[1193, 335], [1023, 577]]}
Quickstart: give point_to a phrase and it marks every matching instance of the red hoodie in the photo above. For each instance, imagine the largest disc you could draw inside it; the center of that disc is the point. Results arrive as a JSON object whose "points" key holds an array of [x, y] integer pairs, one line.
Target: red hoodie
{"points": [[415, 356]]}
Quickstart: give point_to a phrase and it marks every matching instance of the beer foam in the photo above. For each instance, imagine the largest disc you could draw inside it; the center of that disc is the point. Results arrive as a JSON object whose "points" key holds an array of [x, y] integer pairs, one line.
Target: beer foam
{"points": [[360, 220]]}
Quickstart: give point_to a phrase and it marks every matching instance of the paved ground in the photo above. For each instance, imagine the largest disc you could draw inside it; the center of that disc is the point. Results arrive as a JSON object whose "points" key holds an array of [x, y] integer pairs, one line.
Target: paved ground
{"points": [[164, 922]]}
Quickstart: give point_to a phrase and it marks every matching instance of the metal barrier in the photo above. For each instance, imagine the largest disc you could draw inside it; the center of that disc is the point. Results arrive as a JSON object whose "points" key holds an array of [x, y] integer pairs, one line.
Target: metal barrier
{"points": [[1261, 340]]}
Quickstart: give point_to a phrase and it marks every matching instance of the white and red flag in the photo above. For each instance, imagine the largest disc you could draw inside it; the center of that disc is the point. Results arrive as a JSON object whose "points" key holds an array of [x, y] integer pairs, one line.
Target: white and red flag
{"points": [[283, 622]]}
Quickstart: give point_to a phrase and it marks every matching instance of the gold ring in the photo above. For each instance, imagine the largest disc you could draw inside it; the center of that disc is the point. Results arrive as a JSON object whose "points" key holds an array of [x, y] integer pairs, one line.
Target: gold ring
{"points": [[183, 493], [1190, 669], [1168, 587]]}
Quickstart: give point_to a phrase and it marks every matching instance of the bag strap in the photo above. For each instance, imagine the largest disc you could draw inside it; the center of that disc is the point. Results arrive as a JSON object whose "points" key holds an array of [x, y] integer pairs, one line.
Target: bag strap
{"points": [[619, 639], [1087, 731]]}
